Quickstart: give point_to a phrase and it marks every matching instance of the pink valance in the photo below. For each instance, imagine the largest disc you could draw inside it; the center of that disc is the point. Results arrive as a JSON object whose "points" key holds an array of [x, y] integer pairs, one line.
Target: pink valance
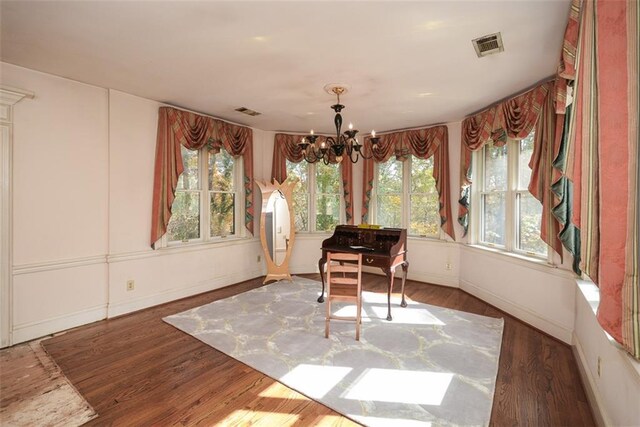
{"points": [[286, 148], [193, 131], [422, 143], [515, 118]]}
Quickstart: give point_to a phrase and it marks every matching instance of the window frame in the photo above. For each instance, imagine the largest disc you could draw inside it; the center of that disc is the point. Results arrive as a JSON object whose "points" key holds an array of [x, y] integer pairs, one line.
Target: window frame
{"points": [[512, 194], [311, 198], [204, 198], [405, 196]]}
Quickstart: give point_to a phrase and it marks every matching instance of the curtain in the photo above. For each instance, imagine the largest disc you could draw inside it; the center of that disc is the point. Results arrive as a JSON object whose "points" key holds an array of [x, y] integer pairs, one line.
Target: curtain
{"points": [[515, 118], [286, 147], [603, 163], [178, 128], [422, 143]]}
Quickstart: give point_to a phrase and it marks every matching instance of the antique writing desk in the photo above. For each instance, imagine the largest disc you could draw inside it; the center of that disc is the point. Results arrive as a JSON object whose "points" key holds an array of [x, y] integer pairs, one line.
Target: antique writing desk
{"points": [[385, 248]]}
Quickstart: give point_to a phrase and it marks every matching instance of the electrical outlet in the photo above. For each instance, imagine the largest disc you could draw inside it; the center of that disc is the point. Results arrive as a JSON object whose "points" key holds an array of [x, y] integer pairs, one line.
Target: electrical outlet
{"points": [[599, 366], [448, 266], [259, 258], [131, 285]]}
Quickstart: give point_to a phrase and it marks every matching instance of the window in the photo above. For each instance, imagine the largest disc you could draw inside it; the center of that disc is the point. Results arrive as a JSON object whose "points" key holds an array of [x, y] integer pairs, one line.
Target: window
{"points": [[508, 215], [406, 196], [317, 199], [204, 214]]}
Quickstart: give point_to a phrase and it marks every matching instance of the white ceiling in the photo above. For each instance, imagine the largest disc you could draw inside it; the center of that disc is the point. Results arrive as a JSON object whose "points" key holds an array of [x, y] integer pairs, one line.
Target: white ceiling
{"points": [[408, 64]]}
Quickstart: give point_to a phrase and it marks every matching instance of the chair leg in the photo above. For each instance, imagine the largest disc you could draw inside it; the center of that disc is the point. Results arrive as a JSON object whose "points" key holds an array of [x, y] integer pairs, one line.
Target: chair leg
{"points": [[358, 317], [327, 315]]}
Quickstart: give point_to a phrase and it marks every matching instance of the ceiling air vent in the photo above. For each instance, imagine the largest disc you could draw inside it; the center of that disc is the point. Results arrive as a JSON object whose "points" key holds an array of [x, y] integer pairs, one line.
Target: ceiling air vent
{"points": [[486, 45], [247, 111]]}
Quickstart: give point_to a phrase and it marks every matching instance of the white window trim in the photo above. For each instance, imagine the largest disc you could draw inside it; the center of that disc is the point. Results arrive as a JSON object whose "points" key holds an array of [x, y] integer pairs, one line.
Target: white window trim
{"points": [[312, 197], [406, 201], [475, 209], [205, 213]]}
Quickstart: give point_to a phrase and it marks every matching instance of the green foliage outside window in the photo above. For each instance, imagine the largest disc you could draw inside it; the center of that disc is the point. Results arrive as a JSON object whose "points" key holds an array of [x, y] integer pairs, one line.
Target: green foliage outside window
{"points": [[221, 195], [327, 196], [299, 172]]}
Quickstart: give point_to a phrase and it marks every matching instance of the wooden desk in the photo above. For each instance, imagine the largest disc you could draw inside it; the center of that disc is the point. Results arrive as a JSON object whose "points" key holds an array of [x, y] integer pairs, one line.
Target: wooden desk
{"points": [[385, 248]]}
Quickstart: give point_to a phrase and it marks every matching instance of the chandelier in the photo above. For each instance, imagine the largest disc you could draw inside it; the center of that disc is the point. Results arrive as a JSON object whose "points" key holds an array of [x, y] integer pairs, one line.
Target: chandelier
{"points": [[344, 144]]}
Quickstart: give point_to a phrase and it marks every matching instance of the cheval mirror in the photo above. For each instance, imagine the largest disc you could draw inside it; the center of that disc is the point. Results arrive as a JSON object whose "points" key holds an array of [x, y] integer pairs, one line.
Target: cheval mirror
{"points": [[277, 230]]}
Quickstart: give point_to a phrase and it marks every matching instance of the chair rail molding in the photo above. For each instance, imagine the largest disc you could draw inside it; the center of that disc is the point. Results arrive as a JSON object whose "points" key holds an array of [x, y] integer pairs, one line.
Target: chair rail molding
{"points": [[9, 96]]}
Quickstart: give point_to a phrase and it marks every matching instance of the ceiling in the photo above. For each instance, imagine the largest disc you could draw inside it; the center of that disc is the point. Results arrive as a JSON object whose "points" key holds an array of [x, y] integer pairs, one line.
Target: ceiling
{"points": [[408, 64]]}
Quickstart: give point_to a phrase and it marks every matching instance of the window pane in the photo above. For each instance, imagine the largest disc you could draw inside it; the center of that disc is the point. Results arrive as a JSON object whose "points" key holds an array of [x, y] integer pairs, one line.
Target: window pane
{"points": [[327, 178], [495, 168], [425, 218], [185, 219], [327, 212], [526, 150], [301, 211], [389, 177], [189, 178], [300, 172], [388, 212], [422, 175], [529, 215], [221, 171], [222, 207], [493, 224]]}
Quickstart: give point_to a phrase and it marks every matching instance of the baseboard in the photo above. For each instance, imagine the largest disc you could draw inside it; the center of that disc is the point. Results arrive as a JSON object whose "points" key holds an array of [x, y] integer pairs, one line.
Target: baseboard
{"points": [[433, 278], [436, 279], [593, 395], [119, 308], [29, 331], [523, 313]]}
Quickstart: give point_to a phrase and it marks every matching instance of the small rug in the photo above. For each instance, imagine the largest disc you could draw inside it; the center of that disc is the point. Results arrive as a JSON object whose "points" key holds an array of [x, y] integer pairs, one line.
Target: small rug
{"points": [[430, 366], [35, 392]]}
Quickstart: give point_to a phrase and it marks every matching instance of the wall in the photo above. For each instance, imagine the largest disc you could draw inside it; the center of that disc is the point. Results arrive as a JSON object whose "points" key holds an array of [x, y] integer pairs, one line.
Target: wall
{"points": [[613, 388], [82, 187], [60, 197]]}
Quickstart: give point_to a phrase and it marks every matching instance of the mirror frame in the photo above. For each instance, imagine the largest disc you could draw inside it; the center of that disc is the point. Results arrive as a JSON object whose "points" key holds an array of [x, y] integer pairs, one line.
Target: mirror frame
{"points": [[274, 271]]}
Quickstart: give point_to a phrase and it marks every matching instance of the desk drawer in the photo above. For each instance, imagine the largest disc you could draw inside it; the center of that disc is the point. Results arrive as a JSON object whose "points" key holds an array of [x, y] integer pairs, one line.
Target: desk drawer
{"points": [[375, 261]]}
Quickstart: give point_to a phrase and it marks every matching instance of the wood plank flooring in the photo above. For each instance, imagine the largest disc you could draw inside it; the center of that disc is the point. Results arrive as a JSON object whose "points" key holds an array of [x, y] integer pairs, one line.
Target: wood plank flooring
{"points": [[138, 370]]}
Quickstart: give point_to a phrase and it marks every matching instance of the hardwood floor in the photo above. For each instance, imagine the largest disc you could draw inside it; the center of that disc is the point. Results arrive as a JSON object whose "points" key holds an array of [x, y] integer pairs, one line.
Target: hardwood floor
{"points": [[138, 370]]}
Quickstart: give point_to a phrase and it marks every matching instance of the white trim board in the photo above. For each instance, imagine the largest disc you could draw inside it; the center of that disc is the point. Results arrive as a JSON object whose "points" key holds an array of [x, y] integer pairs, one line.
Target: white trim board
{"points": [[29, 331], [120, 308], [593, 395], [524, 314]]}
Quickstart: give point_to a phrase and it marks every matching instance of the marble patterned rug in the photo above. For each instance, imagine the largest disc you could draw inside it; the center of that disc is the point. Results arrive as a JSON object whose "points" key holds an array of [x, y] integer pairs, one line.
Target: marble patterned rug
{"points": [[430, 366]]}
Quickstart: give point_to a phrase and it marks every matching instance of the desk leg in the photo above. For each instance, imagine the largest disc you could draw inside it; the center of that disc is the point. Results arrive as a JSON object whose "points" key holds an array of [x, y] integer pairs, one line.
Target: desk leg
{"points": [[390, 275], [405, 270], [321, 264]]}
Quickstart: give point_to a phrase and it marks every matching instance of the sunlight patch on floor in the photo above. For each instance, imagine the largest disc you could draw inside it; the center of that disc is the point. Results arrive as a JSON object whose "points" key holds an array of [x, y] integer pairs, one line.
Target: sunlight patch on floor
{"points": [[394, 385], [243, 417], [316, 380]]}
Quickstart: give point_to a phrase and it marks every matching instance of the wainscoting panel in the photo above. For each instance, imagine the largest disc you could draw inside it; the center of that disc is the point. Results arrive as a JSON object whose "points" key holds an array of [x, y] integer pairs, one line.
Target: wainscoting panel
{"points": [[50, 298]]}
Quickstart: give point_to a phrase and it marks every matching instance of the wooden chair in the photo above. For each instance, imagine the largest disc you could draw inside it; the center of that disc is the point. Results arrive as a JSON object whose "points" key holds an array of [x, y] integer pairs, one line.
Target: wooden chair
{"points": [[345, 287]]}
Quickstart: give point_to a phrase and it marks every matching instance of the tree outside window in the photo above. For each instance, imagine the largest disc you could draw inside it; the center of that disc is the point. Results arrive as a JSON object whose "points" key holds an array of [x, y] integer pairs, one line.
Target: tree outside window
{"points": [[317, 199], [197, 212], [406, 196]]}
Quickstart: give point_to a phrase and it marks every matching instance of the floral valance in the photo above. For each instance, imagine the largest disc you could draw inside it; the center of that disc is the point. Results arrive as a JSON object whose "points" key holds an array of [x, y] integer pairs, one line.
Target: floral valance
{"points": [[193, 131], [286, 147], [422, 143]]}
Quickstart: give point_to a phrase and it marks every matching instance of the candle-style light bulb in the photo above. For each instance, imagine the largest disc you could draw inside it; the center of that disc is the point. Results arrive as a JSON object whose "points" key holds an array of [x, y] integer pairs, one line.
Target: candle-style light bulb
{"points": [[323, 144], [373, 134], [311, 132], [350, 126]]}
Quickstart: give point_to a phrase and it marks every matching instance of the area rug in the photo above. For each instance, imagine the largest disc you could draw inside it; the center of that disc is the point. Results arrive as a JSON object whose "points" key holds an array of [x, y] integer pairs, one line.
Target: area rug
{"points": [[35, 392], [430, 366]]}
